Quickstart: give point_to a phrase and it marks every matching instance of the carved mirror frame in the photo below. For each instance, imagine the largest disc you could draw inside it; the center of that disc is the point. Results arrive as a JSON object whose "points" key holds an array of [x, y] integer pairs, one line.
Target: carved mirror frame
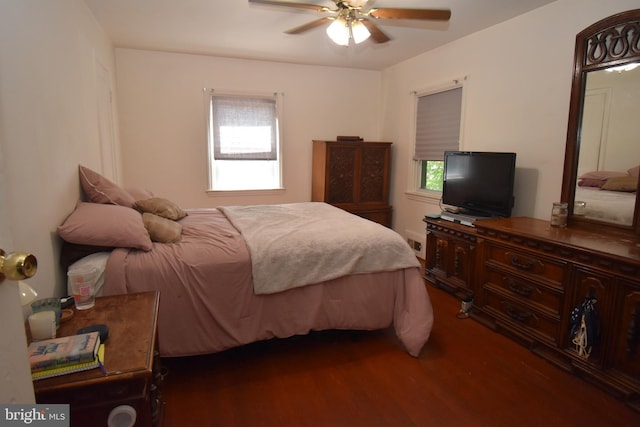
{"points": [[610, 42]]}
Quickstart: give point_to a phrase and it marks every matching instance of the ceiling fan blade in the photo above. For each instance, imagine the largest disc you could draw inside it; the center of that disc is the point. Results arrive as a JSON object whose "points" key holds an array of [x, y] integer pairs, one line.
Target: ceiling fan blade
{"points": [[314, 7], [309, 26], [376, 34], [398, 13]]}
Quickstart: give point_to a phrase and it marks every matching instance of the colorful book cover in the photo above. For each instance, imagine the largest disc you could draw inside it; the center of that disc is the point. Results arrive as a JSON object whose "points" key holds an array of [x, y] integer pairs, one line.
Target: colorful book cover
{"points": [[63, 351], [69, 369]]}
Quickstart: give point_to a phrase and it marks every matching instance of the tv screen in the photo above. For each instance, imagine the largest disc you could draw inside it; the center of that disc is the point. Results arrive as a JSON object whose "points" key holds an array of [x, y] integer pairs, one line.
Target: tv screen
{"points": [[479, 183]]}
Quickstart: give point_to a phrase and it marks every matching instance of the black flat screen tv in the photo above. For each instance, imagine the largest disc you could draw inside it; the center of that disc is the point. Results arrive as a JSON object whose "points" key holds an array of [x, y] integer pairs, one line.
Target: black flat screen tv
{"points": [[479, 183]]}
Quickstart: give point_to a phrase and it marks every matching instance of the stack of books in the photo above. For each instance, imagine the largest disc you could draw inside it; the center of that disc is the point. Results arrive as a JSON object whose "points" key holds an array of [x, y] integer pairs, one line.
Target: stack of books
{"points": [[64, 355]]}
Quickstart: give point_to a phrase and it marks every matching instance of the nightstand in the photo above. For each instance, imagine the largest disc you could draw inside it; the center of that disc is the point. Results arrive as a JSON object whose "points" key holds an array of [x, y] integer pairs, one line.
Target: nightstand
{"points": [[131, 363]]}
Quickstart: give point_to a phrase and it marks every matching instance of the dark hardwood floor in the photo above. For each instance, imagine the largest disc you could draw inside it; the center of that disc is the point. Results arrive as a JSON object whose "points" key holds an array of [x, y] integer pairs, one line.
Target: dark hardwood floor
{"points": [[467, 375]]}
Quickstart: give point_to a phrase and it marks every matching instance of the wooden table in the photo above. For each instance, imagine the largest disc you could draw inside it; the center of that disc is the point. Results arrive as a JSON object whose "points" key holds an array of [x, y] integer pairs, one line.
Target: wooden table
{"points": [[131, 363]]}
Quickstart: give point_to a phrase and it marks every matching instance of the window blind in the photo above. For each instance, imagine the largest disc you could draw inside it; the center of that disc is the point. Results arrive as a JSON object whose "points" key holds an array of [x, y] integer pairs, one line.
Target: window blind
{"points": [[438, 124], [244, 128]]}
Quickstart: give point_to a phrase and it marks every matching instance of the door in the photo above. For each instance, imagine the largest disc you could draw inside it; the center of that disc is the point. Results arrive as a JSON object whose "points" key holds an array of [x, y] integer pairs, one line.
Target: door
{"points": [[108, 151]]}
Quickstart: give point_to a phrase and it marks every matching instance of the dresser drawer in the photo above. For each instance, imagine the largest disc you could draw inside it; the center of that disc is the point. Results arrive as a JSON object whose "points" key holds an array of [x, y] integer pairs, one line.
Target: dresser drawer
{"points": [[521, 316], [552, 271], [527, 291]]}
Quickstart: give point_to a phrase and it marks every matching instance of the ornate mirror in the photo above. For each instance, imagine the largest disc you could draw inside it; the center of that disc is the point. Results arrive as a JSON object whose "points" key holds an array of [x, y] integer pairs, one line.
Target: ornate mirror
{"points": [[602, 156]]}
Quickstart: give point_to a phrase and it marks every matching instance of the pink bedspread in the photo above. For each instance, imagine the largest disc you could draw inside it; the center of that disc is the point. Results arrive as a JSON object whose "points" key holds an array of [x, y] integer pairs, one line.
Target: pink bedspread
{"points": [[207, 303]]}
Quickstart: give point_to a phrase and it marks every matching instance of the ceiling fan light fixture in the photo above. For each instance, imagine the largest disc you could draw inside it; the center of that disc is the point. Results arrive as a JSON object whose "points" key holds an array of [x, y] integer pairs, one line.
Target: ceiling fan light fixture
{"points": [[350, 19], [627, 67], [338, 31], [359, 31]]}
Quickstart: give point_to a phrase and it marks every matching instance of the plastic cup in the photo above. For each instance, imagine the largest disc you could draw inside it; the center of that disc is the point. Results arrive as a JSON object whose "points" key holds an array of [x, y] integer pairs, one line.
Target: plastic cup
{"points": [[82, 283]]}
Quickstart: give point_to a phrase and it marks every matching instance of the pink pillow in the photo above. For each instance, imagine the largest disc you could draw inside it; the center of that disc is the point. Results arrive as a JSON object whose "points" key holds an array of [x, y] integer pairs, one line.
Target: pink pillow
{"points": [[99, 224], [634, 171], [101, 190]]}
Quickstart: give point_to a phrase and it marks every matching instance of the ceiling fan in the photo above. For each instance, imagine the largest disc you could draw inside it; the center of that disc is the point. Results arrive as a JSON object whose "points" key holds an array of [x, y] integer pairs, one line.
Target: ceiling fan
{"points": [[352, 19]]}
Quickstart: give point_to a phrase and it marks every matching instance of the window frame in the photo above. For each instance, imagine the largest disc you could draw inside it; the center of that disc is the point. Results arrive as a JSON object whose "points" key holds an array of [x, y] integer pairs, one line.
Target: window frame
{"points": [[278, 97], [415, 192]]}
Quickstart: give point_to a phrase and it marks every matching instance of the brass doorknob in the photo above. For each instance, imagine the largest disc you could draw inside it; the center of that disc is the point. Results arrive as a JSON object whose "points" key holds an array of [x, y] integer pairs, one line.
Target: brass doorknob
{"points": [[17, 265]]}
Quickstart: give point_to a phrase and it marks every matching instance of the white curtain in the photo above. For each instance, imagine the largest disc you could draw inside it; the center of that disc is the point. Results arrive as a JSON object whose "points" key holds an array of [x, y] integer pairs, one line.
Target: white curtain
{"points": [[244, 128], [438, 124]]}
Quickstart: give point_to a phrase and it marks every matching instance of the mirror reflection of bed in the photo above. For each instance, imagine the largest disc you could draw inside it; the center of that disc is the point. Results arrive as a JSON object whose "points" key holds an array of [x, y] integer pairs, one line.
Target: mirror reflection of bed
{"points": [[609, 147], [610, 206]]}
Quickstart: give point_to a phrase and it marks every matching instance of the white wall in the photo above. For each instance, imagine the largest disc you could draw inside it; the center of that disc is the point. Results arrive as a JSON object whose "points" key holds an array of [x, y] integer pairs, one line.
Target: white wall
{"points": [[49, 119], [517, 99], [48, 125], [162, 118]]}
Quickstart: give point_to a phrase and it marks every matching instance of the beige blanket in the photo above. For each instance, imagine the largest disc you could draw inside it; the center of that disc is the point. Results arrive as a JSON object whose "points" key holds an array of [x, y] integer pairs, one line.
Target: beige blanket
{"points": [[299, 244]]}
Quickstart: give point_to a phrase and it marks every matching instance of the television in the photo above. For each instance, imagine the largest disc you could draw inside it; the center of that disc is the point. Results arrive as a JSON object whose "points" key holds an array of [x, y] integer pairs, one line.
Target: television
{"points": [[479, 183]]}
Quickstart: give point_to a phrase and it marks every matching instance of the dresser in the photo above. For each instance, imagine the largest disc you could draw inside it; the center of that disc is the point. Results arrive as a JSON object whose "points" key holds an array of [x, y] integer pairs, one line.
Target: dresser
{"points": [[354, 176], [535, 274], [529, 277], [130, 359], [451, 257]]}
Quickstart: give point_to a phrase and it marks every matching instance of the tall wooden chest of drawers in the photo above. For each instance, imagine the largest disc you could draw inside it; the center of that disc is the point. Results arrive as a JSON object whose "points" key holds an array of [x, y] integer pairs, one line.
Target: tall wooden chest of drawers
{"points": [[354, 176]]}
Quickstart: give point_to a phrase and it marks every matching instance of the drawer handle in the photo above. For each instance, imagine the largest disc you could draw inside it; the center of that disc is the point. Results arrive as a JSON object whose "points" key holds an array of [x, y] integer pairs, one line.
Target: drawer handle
{"points": [[515, 261], [521, 316], [526, 264], [524, 291]]}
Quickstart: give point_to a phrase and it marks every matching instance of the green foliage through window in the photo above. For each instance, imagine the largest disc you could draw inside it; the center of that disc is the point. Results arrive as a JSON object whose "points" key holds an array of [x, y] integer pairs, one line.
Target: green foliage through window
{"points": [[431, 175]]}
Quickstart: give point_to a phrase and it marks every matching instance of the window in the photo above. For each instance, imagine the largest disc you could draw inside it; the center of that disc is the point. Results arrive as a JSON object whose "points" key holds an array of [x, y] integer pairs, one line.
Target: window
{"points": [[244, 142], [437, 129]]}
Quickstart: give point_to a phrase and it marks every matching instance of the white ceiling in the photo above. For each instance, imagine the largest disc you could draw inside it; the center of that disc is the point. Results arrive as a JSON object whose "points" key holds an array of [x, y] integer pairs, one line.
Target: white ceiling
{"points": [[235, 28]]}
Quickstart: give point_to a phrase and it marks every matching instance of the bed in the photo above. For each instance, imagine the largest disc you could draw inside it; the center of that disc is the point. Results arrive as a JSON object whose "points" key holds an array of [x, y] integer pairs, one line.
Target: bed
{"points": [[612, 206], [607, 195], [243, 274]]}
